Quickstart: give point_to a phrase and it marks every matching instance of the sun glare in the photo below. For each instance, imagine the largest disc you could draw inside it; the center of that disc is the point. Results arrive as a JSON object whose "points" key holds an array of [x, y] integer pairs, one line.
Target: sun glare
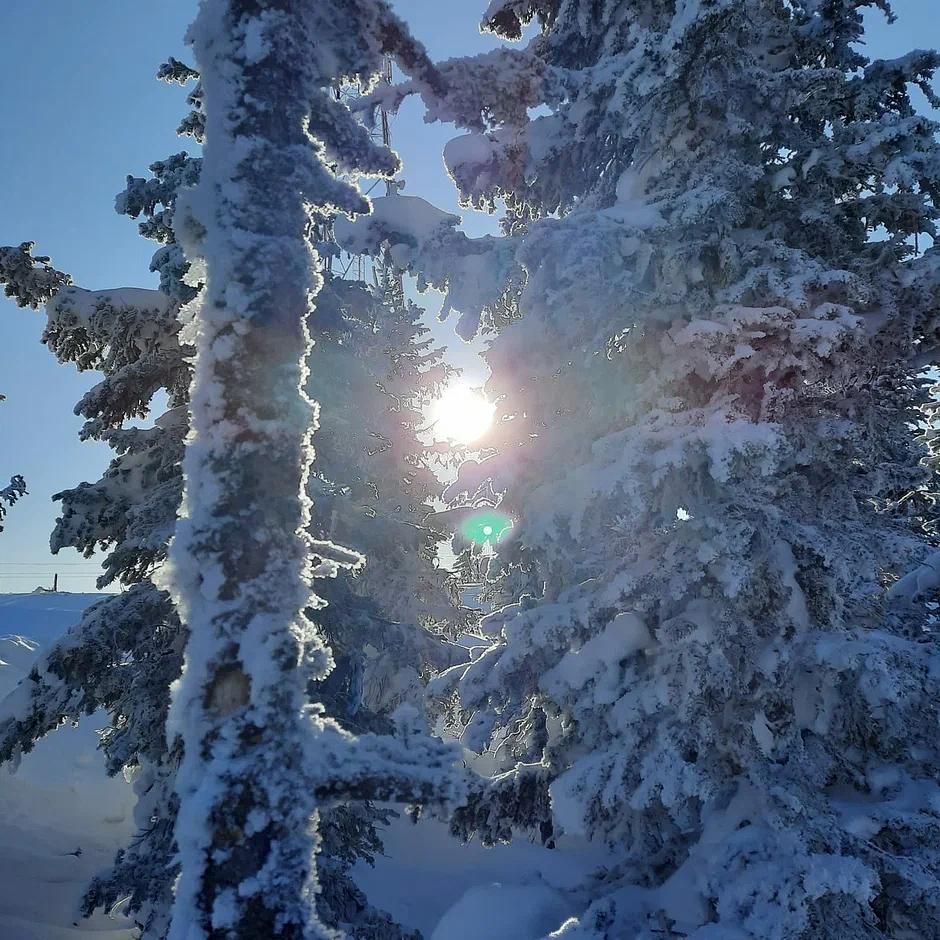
{"points": [[461, 415]]}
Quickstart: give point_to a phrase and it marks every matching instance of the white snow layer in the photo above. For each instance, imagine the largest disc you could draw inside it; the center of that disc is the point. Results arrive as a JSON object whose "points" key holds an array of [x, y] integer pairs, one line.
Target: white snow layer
{"points": [[427, 880], [503, 912], [468, 149], [407, 220]]}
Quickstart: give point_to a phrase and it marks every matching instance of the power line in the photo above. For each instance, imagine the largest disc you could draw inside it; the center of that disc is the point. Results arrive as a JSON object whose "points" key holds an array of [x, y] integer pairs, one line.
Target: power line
{"points": [[29, 574], [48, 576], [45, 571]]}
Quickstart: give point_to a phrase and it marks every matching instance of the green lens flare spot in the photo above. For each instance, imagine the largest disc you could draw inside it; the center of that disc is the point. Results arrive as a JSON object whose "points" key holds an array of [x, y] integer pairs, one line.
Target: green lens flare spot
{"points": [[485, 526]]}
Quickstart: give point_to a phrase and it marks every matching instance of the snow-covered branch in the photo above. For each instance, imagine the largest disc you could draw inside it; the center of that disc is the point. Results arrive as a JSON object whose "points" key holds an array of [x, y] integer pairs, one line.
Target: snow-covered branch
{"points": [[416, 237], [30, 280], [9, 494]]}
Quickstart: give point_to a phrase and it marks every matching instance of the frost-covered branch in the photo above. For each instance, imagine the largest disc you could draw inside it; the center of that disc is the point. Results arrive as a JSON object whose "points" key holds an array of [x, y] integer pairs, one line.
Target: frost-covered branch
{"points": [[9, 494], [424, 241], [494, 808], [408, 766], [30, 280]]}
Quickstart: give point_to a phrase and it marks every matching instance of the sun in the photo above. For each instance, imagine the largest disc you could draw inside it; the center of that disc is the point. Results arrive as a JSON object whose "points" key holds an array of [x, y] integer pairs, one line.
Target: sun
{"points": [[461, 415]]}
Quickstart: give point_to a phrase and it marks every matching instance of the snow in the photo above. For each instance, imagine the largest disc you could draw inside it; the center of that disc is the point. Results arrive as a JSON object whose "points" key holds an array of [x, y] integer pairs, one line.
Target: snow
{"points": [[403, 220], [599, 660], [503, 912], [814, 157], [425, 874], [924, 579], [84, 304], [631, 206], [255, 47], [58, 801], [568, 805], [783, 178], [834, 873], [467, 150], [427, 242]]}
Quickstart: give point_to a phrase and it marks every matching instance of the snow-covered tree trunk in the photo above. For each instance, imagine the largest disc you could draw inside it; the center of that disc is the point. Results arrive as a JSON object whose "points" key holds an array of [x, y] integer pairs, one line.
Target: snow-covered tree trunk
{"points": [[241, 562], [255, 756]]}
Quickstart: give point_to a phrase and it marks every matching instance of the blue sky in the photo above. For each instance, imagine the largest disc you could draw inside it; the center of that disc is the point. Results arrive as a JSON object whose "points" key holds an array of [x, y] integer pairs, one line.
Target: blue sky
{"points": [[80, 111]]}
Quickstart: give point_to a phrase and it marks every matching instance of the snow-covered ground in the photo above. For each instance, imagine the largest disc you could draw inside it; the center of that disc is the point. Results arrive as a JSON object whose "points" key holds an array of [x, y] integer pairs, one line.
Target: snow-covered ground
{"points": [[428, 880], [60, 801], [62, 818]]}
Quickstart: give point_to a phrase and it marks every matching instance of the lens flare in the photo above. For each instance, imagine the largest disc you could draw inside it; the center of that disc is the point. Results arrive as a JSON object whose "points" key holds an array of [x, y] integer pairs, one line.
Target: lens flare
{"points": [[485, 526]]}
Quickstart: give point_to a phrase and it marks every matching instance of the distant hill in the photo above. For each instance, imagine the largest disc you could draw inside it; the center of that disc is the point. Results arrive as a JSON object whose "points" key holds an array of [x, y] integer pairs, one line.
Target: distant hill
{"points": [[30, 622]]}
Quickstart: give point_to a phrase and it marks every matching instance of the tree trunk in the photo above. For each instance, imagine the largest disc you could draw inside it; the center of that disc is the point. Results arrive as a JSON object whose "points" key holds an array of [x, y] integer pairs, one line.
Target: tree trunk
{"points": [[240, 562]]}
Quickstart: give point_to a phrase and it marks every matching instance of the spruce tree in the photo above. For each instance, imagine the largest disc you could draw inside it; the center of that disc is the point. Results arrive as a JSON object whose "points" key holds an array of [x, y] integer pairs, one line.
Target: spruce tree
{"points": [[128, 649], [711, 320]]}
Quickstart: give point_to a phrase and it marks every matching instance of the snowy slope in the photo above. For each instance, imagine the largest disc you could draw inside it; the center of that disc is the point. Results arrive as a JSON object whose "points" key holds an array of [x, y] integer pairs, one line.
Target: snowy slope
{"points": [[58, 801]]}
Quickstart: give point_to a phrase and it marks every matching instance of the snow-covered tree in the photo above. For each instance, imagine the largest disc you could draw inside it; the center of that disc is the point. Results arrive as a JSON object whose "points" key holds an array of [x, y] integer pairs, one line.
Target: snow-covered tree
{"points": [[126, 650], [372, 371], [712, 321], [370, 360], [258, 761]]}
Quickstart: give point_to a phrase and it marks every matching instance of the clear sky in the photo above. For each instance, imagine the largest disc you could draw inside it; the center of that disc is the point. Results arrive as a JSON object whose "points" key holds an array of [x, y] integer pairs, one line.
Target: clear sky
{"points": [[80, 110]]}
